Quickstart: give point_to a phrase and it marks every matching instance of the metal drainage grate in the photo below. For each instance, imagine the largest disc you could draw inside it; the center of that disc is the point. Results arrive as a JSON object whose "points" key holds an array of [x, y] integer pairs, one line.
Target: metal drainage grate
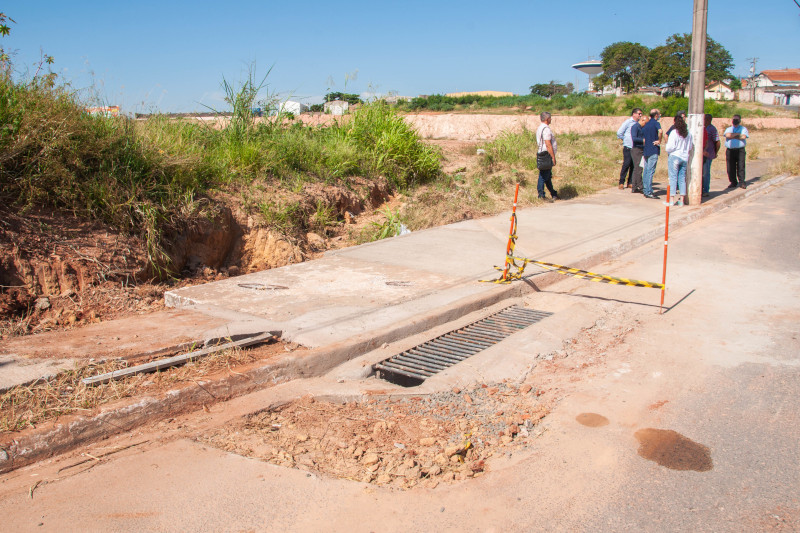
{"points": [[414, 366]]}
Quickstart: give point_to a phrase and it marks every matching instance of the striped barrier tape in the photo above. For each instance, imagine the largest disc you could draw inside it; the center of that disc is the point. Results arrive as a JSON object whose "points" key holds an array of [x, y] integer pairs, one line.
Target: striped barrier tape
{"points": [[511, 261]]}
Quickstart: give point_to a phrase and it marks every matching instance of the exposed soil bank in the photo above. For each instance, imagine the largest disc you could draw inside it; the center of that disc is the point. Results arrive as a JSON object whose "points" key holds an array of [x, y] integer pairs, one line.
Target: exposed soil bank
{"points": [[488, 127], [473, 127]]}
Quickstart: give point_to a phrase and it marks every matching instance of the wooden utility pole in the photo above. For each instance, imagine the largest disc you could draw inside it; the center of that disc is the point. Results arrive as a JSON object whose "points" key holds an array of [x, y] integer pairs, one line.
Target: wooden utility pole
{"points": [[697, 87]]}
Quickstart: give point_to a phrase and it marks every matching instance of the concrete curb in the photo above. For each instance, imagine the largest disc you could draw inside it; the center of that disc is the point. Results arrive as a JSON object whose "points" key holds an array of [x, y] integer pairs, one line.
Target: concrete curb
{"points": [[58, 438]]}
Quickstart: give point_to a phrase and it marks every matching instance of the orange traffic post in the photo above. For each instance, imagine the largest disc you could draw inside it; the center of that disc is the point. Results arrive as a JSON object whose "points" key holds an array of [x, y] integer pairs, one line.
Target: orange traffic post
{"points": [[511, 233], [666, 241]]}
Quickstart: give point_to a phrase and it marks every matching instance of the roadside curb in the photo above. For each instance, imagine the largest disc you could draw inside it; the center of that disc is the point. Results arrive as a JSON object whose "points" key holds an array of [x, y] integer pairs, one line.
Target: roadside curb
{"points": [[55, 438]]}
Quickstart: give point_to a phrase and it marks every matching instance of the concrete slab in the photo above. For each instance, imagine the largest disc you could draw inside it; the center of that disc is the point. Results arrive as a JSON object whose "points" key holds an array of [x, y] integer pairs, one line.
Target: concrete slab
{"points": [[408, 281]]}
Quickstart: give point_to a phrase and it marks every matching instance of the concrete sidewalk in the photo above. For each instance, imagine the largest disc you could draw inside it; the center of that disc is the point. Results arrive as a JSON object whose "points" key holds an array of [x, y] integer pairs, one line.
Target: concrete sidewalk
{"points": [[351, 302], [358, 298]]}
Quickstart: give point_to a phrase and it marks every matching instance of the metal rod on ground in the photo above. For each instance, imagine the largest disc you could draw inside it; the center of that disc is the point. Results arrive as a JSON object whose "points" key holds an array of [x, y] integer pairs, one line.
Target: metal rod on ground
{"points": [[666, 241], [511, 233], [178, 359]]}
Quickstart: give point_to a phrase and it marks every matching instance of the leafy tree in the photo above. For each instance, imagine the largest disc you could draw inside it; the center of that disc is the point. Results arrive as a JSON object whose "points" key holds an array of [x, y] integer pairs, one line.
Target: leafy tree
{"points": [[316, 108], [735, 84], [625, 63], [351, 99], [5, 29], [552, 89], [670, 64]]}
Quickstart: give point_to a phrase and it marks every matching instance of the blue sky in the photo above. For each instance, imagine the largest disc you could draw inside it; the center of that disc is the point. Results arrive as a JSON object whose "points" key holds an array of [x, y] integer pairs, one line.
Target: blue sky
{"points": [[172, 55]]}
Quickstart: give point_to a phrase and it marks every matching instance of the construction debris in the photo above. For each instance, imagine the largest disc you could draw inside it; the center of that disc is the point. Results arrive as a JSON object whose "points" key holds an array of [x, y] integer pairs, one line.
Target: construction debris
{"points": [[401, 442]]}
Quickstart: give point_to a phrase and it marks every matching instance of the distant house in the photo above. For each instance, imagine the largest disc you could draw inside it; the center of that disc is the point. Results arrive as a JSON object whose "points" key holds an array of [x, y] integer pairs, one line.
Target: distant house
{"points": [[773, 87], [336, 107], [652, 91], [480, 93], [394, 99], [293, 107], [719, 90], [104, 111]]}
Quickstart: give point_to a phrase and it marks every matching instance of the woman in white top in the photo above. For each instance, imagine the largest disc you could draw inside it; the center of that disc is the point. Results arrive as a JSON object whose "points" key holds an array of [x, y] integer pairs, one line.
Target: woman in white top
{"points": [[679, 145]]}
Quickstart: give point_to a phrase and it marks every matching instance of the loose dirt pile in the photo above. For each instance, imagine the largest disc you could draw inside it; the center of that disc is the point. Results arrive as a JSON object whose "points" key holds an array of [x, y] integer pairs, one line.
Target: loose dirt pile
{"points": [[401, 442]]}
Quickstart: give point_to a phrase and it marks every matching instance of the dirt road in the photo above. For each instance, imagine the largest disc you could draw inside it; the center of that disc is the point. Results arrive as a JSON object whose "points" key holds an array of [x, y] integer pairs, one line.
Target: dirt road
{"points": [[681, 421]]}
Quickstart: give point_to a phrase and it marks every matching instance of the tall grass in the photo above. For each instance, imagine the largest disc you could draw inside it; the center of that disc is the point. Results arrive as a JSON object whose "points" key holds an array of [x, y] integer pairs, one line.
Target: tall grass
{"points": [[53, 153], [147, 177]]}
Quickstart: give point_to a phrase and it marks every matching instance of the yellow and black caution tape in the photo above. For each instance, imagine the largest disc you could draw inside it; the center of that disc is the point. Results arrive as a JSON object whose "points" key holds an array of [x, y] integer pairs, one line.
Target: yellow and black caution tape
{"points": [[519, 269], [513, 270]]}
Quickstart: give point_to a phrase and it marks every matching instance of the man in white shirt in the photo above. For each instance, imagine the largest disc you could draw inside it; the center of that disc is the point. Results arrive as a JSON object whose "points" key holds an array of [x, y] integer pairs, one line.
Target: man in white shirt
{"points": [[546, 142]]}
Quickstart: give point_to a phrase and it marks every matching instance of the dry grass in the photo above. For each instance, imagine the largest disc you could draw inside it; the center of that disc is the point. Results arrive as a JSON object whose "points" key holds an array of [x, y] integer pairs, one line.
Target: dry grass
{"points": [[24, 407], [586, 164], [781, 145]]}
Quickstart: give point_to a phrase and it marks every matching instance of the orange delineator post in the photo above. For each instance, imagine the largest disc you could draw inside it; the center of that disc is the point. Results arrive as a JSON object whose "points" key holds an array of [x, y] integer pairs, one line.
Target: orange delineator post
{"points": [[511, 232], [666, 241]]}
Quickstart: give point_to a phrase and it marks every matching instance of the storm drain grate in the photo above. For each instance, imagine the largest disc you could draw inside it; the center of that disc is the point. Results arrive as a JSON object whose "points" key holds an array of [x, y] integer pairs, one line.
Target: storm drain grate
{"points": [[414, 366]]}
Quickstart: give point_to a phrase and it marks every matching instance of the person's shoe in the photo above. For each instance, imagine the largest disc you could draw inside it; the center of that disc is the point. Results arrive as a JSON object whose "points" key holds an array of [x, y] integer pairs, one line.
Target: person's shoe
{"points": [[705, 195], [621, 186], [743, 185], [629, 186], [732, 186], [679, 203], [556, 196], [651, 196]]}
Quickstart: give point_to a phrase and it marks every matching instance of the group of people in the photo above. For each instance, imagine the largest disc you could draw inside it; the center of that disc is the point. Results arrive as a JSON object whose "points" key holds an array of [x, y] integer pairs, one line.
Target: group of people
{"points": [[641, 146], [642, 138]]}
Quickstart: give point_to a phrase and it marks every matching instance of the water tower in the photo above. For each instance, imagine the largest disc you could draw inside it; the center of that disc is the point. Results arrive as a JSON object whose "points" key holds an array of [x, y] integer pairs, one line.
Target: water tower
{"points": [[592, 67]]}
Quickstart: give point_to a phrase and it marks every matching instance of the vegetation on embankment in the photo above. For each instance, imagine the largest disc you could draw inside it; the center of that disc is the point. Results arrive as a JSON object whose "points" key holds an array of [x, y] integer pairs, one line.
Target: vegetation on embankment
{"points": [[579, 104], [151, 178]]}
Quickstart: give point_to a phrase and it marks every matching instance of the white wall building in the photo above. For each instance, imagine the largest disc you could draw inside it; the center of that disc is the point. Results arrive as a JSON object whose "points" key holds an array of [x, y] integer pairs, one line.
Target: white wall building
{"points": [[293, 107], [773, 87], [337, 107], [719, 91]]}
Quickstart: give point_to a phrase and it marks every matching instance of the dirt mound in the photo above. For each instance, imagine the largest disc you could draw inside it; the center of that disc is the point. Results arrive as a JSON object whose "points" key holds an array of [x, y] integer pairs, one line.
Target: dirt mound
{"points": [[420, 440]]}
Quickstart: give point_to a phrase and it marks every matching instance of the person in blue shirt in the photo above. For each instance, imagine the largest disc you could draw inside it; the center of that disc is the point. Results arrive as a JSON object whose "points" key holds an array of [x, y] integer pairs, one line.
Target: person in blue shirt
{"points": [[636, 154], [735, 154], [624, 134], [651, 150]]}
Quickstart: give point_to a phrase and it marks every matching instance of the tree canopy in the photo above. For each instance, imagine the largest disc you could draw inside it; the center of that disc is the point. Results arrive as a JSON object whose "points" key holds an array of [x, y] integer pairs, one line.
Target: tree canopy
{"points": [[552, 89], [625, 63], [670, 64], [631, 65], [351, 99]]}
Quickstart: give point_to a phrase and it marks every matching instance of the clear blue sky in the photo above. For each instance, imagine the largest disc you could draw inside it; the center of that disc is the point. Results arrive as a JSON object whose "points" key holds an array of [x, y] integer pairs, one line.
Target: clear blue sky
{"points": [[171, 55]]}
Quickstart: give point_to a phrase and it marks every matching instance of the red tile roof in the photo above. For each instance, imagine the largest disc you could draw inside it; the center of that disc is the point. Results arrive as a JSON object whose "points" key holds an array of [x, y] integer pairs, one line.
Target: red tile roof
{"points": [[787, 74]]}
